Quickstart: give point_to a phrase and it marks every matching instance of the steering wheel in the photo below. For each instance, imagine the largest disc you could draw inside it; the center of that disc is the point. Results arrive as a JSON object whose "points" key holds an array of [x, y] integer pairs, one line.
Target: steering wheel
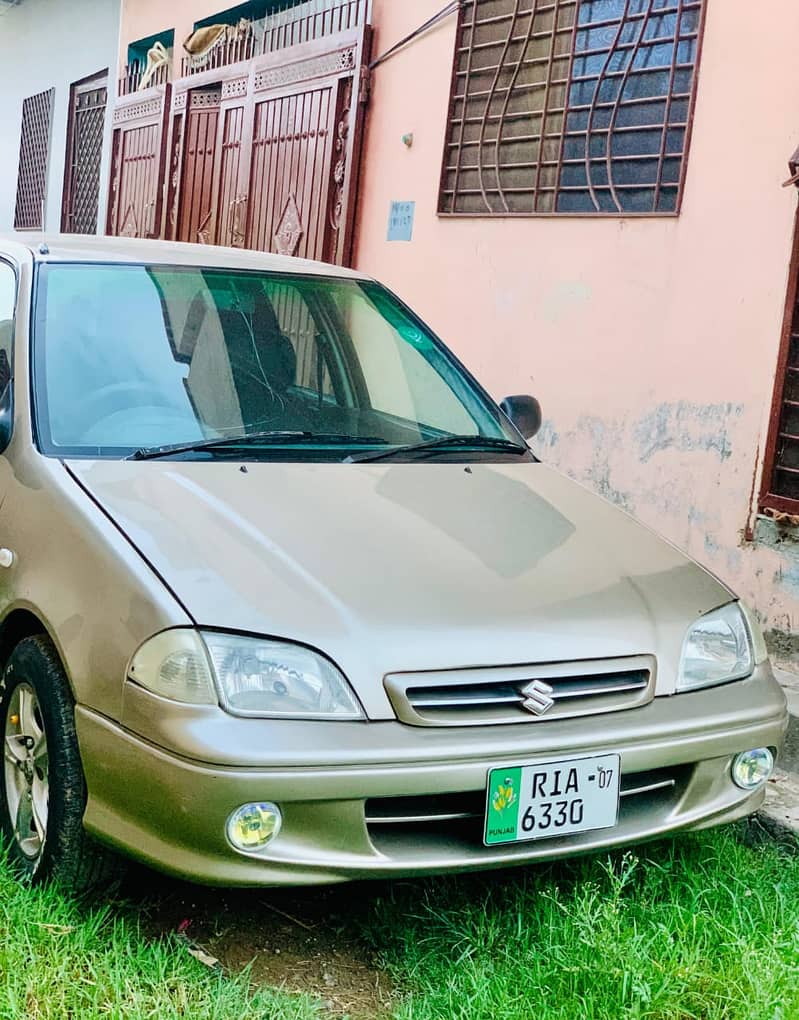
{"points": [[117, 396]]}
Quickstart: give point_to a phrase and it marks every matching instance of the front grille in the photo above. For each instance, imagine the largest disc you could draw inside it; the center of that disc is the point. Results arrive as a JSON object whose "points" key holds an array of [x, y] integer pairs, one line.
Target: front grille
{"points": [[459, 817], [476, 697]]}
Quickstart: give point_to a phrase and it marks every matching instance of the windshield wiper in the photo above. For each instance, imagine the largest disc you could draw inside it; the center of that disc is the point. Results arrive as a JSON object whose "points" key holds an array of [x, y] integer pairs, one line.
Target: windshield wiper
{"points": [[443, 443], [276, 437]]}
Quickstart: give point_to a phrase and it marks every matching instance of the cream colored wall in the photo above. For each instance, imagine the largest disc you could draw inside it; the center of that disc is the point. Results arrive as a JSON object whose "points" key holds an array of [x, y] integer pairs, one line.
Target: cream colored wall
{"points": [[650, 342]]}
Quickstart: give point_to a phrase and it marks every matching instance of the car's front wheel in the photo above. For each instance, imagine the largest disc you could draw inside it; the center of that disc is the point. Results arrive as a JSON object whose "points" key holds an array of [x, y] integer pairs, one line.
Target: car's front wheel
{"points": [[42, 790]]}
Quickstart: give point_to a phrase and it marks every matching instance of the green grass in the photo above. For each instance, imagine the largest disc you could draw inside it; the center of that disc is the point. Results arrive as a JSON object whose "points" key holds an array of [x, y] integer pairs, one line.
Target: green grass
{"points": [[59, 961], [702, 927]]}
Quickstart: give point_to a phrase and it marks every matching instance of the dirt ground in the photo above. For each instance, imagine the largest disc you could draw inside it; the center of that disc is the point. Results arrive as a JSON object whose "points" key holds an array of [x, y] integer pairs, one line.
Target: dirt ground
{"points": [[302, 940]]}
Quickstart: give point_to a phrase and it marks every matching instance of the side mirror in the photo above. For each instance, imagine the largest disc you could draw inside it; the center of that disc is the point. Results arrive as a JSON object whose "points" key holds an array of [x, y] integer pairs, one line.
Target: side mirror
{"points": [[525, 413], [6, 416]]}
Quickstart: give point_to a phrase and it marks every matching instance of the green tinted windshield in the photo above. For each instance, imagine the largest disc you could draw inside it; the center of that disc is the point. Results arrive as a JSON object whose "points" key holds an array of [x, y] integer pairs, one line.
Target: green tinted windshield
{"points": [[133, 357]]}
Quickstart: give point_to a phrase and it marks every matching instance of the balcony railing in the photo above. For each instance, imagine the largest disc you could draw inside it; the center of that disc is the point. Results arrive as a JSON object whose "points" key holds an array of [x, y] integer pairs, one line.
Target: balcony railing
{"points": [[300, 23], [133, 76]]}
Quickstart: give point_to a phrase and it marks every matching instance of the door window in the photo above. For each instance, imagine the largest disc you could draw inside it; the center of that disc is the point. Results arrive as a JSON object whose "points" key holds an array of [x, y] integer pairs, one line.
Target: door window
{"points": [[8, 292]]}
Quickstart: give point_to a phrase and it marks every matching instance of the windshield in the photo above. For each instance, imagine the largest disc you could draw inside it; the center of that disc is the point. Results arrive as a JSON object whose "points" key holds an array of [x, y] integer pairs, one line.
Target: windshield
{"points": [[130, 358]]}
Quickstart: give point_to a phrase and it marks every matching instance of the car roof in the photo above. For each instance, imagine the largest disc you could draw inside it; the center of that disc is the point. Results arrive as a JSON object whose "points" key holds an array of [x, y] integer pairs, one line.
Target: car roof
{"points": [[121, 250]]}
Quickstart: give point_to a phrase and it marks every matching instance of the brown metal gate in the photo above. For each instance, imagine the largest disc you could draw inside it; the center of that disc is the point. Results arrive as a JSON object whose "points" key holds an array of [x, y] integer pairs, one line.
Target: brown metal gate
{"points": [[137, 163], [196, 191], [281, 171], [85, 131]]}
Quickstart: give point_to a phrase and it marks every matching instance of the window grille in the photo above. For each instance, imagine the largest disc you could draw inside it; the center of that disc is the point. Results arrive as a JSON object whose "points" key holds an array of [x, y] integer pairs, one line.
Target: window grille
{"points": [[34, 149], [571, 106], [781, 465]]}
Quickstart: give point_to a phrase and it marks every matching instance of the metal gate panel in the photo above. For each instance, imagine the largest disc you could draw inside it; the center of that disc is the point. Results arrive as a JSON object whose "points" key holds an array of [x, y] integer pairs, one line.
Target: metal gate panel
{"points": [[231, 197], [138, 158], [197, 172], [292, 146], [309, 106], [286, 161], [85, 130]]}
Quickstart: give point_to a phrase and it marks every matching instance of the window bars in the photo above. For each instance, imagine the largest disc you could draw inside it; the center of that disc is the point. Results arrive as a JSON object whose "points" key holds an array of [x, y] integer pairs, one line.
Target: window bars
{"points": [[571, 106], [780, 487]]}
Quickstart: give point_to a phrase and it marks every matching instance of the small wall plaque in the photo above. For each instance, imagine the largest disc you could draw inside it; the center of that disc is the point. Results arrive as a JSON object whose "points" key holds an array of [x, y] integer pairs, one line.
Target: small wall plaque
{"points": [[400, 221]]}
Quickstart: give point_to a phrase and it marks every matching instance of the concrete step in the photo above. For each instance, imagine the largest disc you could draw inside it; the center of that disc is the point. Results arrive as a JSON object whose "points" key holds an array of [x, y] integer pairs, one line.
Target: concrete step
{"points": [[789, 681], [780, 813]]}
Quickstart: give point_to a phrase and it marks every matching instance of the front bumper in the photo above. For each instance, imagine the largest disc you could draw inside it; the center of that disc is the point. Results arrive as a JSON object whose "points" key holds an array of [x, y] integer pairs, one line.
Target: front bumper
{"points": [[169, 809]]}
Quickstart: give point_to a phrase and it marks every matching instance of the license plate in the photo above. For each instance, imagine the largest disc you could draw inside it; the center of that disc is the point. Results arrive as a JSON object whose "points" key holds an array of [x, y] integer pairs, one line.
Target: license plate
{"points": [[556, 798]]}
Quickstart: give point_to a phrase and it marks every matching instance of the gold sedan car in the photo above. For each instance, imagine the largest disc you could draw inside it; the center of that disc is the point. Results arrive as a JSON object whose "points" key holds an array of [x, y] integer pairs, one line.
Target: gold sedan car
{"points": [[285, 597]]}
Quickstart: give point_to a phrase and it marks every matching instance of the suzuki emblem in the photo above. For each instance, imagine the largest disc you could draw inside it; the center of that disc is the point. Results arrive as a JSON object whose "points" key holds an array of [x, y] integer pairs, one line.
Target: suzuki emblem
{"points": [[537, 697]]}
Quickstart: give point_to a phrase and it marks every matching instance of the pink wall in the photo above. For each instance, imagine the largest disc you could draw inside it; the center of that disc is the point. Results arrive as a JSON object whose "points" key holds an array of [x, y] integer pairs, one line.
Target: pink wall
{"points": [[650, 342]]}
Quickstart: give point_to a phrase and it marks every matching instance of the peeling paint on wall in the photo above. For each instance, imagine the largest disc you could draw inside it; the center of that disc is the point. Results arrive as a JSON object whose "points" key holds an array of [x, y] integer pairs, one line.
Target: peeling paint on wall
{"points": [[687, 427], [676, 468]]}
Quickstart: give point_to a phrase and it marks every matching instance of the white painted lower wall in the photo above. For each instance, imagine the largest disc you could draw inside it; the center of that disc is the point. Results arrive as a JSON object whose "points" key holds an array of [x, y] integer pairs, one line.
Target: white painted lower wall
{"points": [[51, 44]]}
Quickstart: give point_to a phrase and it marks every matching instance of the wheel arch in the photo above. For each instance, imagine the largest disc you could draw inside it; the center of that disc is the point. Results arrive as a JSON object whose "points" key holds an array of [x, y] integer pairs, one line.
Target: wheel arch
{"points": [[19, 624]]}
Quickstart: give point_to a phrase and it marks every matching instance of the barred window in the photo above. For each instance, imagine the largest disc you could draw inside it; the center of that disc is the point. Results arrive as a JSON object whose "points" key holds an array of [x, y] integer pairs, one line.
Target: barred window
{"points": [[34, 147], [571, 106], [780, 489]]}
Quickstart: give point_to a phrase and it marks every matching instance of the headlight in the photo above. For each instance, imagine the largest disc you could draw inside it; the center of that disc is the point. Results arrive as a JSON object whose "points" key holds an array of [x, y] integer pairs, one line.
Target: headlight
{"points": [[255, 676], [716, 649], [175, 665], [249, 676]]}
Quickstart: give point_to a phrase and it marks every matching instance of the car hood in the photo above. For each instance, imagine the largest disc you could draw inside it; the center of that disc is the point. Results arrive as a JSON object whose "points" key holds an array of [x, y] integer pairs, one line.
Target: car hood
{"points": [[404, 567]]}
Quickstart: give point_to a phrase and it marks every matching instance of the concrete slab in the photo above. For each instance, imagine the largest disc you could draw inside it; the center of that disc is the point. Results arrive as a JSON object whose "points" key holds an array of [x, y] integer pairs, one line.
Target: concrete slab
{"points": [[789, 681], [781, 810]]}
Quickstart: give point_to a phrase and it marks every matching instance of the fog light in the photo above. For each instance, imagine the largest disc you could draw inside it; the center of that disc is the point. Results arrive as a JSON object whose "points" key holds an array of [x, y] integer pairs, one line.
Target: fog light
{"points": [[252, 826], [751, 769]]}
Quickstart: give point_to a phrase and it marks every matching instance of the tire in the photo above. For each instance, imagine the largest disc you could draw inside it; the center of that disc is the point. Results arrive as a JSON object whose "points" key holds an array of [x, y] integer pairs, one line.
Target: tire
{"points": [[42, 787]]}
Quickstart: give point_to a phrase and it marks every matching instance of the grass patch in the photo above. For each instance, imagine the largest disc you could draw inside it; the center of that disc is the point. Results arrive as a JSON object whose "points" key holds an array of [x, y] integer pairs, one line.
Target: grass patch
{"points": [[61, 961], [699, 927]]}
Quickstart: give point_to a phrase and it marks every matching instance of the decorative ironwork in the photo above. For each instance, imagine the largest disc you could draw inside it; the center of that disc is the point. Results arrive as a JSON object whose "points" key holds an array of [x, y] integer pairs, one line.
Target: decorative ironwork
{"points": [[174, 173], [339, 175], [235, 88], [571, 106], [290, 229], [84, 152], [34, 148], [305, 70], [138, 111]]}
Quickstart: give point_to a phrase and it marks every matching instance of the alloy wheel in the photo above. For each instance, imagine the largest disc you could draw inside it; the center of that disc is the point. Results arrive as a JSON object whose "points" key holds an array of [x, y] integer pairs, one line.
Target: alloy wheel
{"points": [[26, 770]]}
